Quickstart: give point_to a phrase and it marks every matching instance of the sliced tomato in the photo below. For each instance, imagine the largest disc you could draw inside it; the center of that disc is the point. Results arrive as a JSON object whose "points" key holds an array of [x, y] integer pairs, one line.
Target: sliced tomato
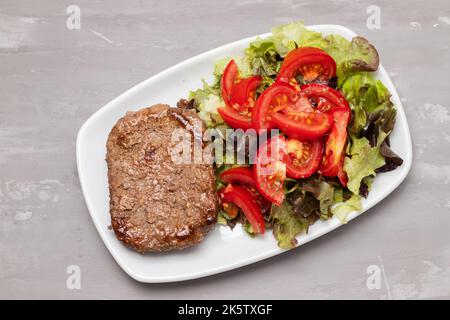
{"points": [[245, 176], [303, 157], [244, 199], [243, 92], [270, 169], [302, 125], [229, 76], [323, 97], [311, 64], [277, 97], [342, 175], [294, 54], [302, 104], [239, 97], [234, 119], [238, 175], [332, 161], [263, 203]]}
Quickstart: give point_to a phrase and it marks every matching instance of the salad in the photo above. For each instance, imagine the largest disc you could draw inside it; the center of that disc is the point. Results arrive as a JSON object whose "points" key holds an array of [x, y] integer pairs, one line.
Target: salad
{"points": [[334, 120]]}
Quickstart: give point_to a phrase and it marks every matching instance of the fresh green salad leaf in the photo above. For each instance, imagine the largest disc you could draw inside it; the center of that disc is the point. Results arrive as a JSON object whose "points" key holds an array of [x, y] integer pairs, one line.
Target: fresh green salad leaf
{"points": [[323, 192], [290, 36], [356, 85], [249, 229], [206, 101], [362, 161], [374, 114], [222, 218], [304, 204], [242, 63], [264, 59], [351, 56], [312, 199], [338, 195], [342, 210], [370, 101], [286, 226]]}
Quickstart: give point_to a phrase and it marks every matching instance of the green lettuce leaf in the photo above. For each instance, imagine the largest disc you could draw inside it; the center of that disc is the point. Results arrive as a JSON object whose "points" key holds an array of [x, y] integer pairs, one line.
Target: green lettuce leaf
{"points": [[322, 191], [338, 195], [289, 36], [206, 102], [242, 63], [356, 85], [359, 120], [249, 229], [304, 204], [264, 59], [222, 218], [362, 161], [343, 209], [352, 56], [286, 226], [370, 101]]}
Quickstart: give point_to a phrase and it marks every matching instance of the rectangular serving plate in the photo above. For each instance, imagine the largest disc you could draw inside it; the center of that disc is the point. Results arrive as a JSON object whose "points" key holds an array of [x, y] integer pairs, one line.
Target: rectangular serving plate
{"points": [[217, 253]]}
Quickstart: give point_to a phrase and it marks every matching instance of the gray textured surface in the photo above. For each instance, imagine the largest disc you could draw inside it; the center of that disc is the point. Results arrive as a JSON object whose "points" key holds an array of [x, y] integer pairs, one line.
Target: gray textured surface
{"points": [[52, 79]]}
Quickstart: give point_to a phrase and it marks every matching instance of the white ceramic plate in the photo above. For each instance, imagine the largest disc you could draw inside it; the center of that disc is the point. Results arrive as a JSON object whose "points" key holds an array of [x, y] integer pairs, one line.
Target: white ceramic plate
{"points": [[217, 253]]}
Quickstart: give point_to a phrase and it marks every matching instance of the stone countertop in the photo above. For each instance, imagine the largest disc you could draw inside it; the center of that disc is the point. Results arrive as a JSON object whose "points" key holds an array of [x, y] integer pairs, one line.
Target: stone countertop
{"points": [[53, 78]]}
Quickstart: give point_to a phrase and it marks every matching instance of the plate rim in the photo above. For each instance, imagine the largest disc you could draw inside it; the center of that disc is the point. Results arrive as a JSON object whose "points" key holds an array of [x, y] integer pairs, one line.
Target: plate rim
{"points": [[270, 252]]}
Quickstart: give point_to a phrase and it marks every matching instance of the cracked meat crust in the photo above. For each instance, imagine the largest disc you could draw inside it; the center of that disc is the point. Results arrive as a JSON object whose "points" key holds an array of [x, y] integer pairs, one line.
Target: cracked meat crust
{"points": [[155, 204]]}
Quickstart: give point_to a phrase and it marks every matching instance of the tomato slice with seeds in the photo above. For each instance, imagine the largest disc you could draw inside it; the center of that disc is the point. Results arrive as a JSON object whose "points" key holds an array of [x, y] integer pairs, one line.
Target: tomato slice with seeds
{"points": [[323, 97], [311, 64], [303, 157], [270, 169], [245, 200], [332, 162], [238, 175], [229, 76], [278, 96], [239, 97], [294, 54], [234, 119], [302, 104], [302, 125], [245, 176], [342, 175], [243, 92]]}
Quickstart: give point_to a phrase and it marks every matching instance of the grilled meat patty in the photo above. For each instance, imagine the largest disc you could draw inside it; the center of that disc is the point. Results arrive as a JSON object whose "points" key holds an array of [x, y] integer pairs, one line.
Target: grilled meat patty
{"points": [[155, 204]]}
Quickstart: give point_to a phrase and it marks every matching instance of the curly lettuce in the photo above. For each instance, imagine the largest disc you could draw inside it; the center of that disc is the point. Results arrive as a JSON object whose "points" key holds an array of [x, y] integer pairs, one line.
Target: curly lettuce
{"points": [[373, 121], [206, 100], [361, 162], [290, 36], [343, 209], [351, 56], [286, 226]]}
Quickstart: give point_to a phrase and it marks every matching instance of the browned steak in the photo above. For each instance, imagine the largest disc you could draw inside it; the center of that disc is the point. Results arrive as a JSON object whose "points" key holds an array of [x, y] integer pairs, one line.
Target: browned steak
{"points": [[155, 204]]}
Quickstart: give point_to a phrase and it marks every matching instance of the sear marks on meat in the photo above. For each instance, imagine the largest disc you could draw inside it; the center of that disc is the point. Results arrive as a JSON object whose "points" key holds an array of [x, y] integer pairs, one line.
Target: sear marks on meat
{"points": [[155, 204]]}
